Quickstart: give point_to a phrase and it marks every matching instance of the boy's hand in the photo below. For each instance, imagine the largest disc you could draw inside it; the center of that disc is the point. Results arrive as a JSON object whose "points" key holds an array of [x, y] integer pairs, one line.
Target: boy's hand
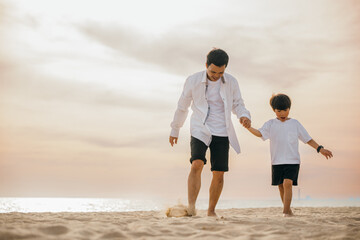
{"points": [[245, 122], [326, 153], [173, 140]]}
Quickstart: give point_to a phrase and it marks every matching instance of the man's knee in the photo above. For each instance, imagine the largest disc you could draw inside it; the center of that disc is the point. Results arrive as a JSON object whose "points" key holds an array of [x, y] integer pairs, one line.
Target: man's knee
{"points": [[218, 176], [197, 165], [218, 173]]}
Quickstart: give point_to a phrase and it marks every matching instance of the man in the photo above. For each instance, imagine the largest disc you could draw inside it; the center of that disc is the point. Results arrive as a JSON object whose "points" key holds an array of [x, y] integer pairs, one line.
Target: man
{"points": [[213, 94]]}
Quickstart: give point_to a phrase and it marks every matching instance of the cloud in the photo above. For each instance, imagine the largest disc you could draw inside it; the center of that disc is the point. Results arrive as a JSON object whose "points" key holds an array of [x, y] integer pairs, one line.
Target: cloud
{"points": [[58, 110], [104, 140], [56, 119], [24, 84], [55, 111], [284, 52]]}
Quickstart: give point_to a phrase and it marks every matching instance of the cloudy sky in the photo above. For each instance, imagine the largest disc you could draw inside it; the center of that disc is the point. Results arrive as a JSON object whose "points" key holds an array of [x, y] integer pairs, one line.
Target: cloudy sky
{"points": [[88, 90]]}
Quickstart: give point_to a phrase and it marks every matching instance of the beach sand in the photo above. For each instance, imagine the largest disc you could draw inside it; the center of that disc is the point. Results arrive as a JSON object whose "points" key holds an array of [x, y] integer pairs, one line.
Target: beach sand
{"points": [[256, 223]]}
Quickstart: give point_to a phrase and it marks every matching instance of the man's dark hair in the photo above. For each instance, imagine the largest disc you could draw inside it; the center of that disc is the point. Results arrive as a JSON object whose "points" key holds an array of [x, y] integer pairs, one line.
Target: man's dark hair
{"points": [[280, 101], [218, 57]]}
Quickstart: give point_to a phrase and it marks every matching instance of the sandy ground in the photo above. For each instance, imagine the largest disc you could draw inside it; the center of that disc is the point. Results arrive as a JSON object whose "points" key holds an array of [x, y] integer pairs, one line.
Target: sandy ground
{"points": [[257, 223]]}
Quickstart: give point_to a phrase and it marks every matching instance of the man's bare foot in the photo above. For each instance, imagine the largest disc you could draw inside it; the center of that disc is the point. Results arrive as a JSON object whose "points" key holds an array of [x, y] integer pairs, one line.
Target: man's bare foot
{"points": [[211, 214], [191, 211], [288, 215]]}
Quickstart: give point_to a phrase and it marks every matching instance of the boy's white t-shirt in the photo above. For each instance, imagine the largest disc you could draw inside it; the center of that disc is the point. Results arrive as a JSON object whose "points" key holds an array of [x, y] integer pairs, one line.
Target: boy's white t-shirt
{"points": [[284, 144], [216, 120]]}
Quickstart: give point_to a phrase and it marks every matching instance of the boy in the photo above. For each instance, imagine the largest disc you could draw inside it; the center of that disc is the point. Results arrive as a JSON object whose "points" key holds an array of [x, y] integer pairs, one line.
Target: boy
{"points": [[284, 133]]}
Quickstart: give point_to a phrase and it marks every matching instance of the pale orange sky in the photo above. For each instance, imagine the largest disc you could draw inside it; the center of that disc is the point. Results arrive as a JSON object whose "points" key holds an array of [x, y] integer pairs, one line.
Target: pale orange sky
{"points": [[88, 91]]}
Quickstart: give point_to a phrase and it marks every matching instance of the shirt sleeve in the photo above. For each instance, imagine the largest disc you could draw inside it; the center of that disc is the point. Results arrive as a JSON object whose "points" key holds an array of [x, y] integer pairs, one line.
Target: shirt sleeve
{"points": [[265, 130], [303, 134], [182, 109], [238, 103]]}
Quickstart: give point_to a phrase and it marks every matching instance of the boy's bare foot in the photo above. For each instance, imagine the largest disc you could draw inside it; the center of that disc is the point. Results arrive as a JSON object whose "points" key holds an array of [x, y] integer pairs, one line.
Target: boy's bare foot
{"points": [[211, 214], [288, 214], [191, 211]]}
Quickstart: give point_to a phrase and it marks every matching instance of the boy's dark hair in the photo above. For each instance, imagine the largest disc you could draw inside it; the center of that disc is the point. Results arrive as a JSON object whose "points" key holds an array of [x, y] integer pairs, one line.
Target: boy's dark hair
{"points": [[218, 57], [280, 101]]}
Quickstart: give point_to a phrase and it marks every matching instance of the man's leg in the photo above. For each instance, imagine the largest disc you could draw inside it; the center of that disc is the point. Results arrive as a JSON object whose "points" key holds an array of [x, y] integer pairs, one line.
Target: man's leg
{"points": [[287, 196], [281, 190], [216, 187], [194, 184]]}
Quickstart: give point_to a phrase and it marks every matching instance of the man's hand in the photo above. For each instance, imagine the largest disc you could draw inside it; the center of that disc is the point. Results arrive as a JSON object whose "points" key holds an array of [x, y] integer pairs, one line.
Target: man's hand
{"points": [[245, 122], [173, 140], [327, 153]]}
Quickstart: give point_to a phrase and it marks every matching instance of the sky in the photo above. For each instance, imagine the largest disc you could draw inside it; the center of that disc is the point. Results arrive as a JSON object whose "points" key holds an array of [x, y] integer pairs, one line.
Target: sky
{"points": [[88, 90]]}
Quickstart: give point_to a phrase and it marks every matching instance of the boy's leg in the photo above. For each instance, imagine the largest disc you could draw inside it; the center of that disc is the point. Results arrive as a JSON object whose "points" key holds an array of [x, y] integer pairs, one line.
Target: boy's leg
{"points": [[216, 187], [287, 185], [194, 184]]}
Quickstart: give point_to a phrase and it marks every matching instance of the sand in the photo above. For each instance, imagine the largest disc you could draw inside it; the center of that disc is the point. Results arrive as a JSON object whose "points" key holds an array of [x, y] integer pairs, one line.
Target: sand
{"points": [[257, 223]]}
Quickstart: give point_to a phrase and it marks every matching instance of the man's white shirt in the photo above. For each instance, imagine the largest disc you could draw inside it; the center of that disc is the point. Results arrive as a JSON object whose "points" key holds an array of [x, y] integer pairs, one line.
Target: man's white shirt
{"points": [[216, 120], [194, 94]]}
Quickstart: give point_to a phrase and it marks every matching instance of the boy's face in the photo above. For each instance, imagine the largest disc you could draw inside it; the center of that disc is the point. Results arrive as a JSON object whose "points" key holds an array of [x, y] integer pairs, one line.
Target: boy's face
{"points": [[282, 115]]}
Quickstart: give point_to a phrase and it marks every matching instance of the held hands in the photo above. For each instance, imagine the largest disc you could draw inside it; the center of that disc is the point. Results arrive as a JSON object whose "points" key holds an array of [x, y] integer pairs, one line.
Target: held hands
{"points": [[245, 122], [173, 140], [327, 153]]}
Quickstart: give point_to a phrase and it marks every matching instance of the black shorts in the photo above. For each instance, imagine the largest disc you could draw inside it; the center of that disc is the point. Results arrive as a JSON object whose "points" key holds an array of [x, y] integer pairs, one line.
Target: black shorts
{"points": [[219, 152], [285, 171]]}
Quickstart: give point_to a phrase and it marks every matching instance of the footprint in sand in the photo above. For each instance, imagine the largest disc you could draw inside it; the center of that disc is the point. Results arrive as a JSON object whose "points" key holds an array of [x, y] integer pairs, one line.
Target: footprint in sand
{"points": [[116, 235], [9, 235], [54, 230]]}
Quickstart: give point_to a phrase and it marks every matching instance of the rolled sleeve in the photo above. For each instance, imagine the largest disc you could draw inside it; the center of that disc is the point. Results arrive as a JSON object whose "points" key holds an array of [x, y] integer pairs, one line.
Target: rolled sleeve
{"points": [[182, 109], [238, 103]]}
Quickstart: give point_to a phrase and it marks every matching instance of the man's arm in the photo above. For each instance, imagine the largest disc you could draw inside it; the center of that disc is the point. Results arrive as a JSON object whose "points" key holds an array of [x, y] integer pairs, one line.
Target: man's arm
{"points": [[173, 140], [323, 151], [238, 107], [255, 131], [181, 112]]}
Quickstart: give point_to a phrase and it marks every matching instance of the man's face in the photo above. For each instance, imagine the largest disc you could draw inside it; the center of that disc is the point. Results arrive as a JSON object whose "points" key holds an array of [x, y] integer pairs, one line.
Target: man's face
{"points": [[214, 72]]}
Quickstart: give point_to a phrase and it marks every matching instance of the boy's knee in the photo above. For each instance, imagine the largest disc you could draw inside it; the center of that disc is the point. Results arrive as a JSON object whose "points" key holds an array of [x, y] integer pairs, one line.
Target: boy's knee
{"points": [[287, 183]]}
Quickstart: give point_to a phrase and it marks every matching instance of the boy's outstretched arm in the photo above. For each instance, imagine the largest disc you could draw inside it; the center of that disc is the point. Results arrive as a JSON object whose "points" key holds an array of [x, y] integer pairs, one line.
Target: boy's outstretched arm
{"points": [[255, 131], [323, 151]]}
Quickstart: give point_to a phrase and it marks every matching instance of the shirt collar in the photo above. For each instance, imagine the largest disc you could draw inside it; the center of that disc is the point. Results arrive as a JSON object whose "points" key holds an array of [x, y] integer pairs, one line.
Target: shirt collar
{"points": [[204, 78]]}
